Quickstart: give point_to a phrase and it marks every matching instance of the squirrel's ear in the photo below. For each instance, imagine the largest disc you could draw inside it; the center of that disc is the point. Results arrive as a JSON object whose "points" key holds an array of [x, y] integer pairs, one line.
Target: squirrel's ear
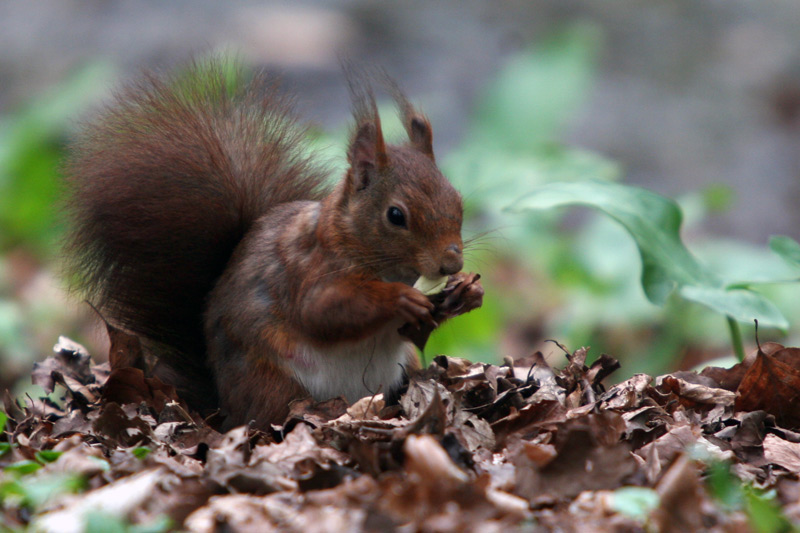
{"points": [[420, 133], [366, 155]]}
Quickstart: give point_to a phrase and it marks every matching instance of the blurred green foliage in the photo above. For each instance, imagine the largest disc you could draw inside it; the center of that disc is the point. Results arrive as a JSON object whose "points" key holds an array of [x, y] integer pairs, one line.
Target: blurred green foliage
{"points": [[763, 509], [23, 485], [546, 274], [31, 152], [635, 502], [582, 277], [511, 146], [103, 522]]}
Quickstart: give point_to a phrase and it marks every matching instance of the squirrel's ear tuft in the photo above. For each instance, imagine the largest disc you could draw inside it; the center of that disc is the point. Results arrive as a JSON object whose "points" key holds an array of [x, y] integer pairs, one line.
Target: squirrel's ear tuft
{"points": [[367, 153], [420, 134], [416, 125]]}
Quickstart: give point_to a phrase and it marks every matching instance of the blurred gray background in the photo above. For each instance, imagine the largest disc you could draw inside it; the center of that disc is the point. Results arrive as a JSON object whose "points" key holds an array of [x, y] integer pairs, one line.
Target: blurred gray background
{"points": [[686, 93], [683, 95]]}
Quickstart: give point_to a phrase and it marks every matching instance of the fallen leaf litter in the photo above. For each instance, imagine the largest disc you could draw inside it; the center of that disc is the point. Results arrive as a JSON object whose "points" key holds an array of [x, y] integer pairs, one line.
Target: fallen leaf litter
{"points": [[468, 447]]}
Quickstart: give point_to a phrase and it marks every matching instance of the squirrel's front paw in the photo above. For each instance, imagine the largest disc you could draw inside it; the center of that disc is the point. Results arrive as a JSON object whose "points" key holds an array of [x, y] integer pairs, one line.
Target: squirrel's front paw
{"points": [[462, 294], [415, 308]]}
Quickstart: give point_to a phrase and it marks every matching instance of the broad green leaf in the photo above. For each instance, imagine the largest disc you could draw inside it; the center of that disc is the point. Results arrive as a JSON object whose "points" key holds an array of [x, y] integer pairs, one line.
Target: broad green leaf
{"points": [[3, 420], [740, 304], [654, 222], [787, 248]]}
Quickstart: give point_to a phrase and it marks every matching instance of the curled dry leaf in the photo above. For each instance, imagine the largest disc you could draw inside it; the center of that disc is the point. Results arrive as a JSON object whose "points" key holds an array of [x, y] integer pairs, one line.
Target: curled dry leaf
{"points": [[696, 392], [430, 286], [426, 458], [70, 362], [771, 384]]}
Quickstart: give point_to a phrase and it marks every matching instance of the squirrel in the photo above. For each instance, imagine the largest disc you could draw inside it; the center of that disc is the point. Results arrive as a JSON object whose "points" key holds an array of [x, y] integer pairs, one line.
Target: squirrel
{"points": [[201, 223]]}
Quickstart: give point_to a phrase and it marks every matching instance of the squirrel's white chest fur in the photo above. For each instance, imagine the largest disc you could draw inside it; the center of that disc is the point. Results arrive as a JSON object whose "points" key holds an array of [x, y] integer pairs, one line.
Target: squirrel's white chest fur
{"points": [[353, 370]]}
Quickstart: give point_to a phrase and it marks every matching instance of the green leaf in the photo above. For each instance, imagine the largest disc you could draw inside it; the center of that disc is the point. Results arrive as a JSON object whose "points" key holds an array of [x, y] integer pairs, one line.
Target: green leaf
{"points": [[11, 490], [141, 452], [787, 248], [3, 420], [22, 468], [635, 502], [495, 177], [654, 222], [764, 512], [103, 522], [4, 447], [47, 456], [724, 486], [41, 489], [740, 304]]}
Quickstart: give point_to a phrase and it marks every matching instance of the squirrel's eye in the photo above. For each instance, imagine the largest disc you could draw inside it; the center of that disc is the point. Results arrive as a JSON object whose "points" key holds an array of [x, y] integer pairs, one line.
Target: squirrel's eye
{"points": [[396, 216]]}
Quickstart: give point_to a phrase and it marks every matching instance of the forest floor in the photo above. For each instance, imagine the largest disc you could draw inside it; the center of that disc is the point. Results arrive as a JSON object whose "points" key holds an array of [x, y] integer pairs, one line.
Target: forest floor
{"points": [[469, 447]]}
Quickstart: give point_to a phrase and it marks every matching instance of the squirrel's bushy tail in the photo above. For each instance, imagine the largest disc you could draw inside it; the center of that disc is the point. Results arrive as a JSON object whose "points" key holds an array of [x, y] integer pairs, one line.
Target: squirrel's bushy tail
{"points": [[162, 184]]}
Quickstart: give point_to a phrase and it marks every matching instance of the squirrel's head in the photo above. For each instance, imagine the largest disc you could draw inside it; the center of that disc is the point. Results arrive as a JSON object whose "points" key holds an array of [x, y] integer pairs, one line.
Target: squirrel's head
{"points": [[404, 211]]}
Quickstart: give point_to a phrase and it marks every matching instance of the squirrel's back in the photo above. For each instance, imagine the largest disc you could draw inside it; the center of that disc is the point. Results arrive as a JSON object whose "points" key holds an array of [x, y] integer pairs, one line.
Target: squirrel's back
{"points": [[162, 184]]}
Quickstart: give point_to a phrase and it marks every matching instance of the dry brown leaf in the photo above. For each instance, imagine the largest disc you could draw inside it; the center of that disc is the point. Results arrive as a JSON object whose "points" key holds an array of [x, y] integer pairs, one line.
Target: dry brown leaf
{"points": [[782, 453], [695, 392], [772, 384]]}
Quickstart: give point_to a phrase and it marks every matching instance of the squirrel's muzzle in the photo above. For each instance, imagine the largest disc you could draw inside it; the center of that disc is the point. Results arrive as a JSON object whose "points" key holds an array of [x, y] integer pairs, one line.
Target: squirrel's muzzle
{"points": [[452, 260]]}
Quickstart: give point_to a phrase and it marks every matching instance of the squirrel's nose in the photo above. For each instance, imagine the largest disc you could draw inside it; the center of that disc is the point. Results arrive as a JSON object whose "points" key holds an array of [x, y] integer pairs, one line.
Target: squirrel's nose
{"points": [[452, 260]]}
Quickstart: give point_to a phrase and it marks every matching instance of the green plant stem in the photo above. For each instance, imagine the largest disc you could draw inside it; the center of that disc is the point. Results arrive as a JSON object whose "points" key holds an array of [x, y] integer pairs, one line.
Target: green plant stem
{"points": [[736, 338]]}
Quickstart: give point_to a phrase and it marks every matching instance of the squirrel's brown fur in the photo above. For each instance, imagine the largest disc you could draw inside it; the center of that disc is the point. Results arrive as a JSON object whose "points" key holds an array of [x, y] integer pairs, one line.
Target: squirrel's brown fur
{"points": [[201, 224]]}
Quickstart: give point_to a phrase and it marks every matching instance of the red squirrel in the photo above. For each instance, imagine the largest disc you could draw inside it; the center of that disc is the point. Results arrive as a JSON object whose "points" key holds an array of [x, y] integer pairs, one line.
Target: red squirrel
{"points": [[201, 224]]}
